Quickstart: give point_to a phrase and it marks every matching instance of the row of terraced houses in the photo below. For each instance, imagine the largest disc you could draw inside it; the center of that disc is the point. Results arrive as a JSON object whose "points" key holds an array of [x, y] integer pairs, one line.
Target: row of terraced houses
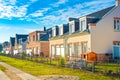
{"points": [[98, 32]]}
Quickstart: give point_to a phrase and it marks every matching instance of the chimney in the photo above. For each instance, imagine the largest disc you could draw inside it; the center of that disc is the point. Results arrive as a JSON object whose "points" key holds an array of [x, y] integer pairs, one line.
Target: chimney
{"points": [[117, 2], [44, 28]]}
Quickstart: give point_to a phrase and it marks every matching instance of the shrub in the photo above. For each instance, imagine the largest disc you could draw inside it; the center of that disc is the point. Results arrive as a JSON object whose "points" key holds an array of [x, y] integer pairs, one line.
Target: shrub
{"points": [[61, 61]]}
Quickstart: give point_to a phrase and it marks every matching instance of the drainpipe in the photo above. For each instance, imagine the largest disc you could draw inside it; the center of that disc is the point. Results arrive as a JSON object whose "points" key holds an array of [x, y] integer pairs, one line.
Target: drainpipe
{"points": [[65, 46]]}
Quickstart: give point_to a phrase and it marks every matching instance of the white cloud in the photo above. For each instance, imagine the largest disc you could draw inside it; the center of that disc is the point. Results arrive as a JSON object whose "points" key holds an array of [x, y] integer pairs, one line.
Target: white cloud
{"points": [[1, 27], [59, 3], [13, 2], [8, 10], [76, 11], [39, 12], [4, 28], [98, 2]]}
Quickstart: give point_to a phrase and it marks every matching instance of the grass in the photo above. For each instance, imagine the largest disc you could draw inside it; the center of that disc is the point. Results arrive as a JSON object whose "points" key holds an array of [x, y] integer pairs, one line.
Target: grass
{"points": [[107, 66], [2, 68], [39, 69]]}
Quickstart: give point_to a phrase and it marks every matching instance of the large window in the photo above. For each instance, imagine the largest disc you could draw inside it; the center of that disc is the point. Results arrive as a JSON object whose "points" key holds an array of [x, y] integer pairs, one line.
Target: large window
{"points": [[117, 25], [82, 25], [69, 49], [84, 47]]}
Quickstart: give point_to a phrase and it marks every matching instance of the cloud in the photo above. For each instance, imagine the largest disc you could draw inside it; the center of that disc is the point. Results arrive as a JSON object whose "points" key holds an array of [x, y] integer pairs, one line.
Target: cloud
{"points": [[59, 3], [4, 28], [78, 10], [1, 27], [9, 9], [39, 12]]}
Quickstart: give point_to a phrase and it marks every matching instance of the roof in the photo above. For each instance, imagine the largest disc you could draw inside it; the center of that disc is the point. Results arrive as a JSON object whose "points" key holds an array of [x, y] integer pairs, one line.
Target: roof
{"points": [[21, 36], [101, 13], [12, 41], [37, 32]]}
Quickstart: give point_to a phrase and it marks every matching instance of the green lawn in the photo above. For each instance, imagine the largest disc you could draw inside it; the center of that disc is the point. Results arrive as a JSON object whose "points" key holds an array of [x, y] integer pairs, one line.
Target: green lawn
{"points": [[39, 69], [107, 66]]}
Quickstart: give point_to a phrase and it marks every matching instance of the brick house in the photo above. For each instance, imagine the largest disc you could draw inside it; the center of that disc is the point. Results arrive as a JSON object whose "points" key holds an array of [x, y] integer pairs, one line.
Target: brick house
{"points": [[38, 43], [89, 36]]}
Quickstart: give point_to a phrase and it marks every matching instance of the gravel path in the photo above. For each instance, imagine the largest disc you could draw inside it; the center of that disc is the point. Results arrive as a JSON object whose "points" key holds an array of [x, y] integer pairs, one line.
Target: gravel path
{"points": [[59, 77]]}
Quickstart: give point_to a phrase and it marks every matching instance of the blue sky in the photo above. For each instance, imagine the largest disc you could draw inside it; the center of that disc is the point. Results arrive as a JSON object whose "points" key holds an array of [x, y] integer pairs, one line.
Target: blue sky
{"points": [[24, 16]]}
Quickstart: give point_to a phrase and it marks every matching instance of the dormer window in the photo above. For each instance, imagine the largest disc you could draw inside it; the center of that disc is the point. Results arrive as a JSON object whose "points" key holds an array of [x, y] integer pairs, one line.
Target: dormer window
{"points": [[71, 28], [117, 24], [61, 30], [54, 32], [38, 36], [82, 25]]}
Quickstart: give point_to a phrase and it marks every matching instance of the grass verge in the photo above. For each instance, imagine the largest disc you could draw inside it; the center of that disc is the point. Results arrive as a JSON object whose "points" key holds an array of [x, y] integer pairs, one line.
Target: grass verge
{"points": [[39, 69]]}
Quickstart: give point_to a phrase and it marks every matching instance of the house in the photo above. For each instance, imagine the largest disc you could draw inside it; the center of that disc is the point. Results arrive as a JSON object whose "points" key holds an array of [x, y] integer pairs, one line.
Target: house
{"points": [[56, 41], [5, 46], [20, 43], [96, 33], [12, 45], [38, 44]]}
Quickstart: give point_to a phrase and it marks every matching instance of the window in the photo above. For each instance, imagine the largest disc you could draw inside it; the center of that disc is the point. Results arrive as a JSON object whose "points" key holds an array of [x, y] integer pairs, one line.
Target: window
{"points": [[84, 47], [71, 28], [82, 25], [54, 32], [38, 36], [117, 25], [61, 30], [69, 49], [34, 38]]}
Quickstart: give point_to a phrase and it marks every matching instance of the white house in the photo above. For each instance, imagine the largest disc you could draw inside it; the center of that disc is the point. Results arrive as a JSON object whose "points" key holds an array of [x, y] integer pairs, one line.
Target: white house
{"points": [[96, 33]]}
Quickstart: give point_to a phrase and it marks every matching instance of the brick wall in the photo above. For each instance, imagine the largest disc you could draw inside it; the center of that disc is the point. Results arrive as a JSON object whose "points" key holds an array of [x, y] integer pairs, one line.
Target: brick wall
{"points": [[44, 45]]}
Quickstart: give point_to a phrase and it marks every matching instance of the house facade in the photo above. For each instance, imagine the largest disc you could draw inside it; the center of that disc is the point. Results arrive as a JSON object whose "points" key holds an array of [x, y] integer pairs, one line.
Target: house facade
{"points": [[96, 33], [38, 43], [12, 45], [20, 43], [5, 46]]}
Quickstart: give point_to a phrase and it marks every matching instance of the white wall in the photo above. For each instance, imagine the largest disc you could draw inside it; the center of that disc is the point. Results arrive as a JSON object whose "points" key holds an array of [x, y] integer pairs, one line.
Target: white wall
{"points": [[103, 33]]}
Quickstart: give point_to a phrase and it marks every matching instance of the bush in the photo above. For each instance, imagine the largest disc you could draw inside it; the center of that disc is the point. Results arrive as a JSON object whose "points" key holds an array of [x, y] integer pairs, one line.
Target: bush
{"points": [[61, 61], [23, 55]]}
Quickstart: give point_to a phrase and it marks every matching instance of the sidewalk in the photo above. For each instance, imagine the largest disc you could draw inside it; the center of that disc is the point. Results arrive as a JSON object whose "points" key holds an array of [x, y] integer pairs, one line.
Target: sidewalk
{"points": [[3, 76], [21, 74]]}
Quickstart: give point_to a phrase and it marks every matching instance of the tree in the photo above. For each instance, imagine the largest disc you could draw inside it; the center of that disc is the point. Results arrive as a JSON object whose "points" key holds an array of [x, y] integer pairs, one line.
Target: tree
{"points": [[1, 47]]}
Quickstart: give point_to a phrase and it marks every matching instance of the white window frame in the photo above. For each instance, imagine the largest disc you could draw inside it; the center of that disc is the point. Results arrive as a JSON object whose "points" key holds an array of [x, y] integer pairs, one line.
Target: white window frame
{"points": [[117, 25], [61, 30], [82, 26]]}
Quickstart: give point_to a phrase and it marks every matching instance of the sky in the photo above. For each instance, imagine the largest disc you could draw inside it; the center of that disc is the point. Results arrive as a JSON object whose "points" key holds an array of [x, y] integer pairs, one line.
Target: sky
{"points": [[24, 16]]}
